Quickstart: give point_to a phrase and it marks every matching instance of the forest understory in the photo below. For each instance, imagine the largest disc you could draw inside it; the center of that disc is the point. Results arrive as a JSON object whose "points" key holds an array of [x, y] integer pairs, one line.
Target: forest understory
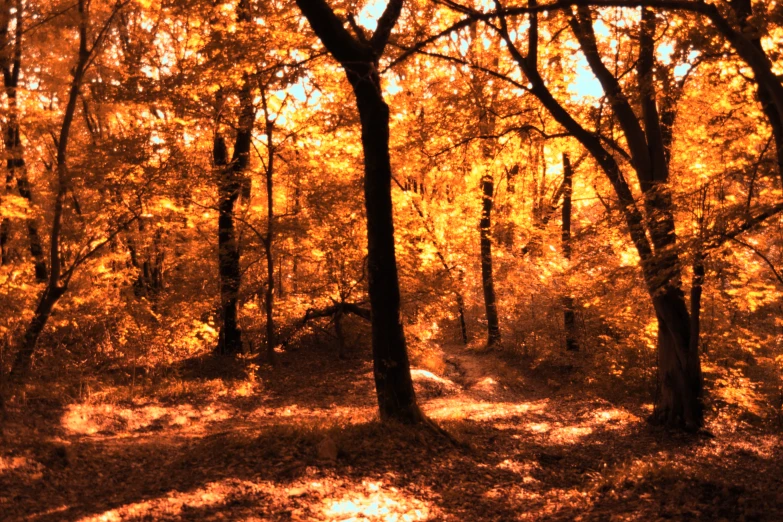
{"points": [[533, 440]]}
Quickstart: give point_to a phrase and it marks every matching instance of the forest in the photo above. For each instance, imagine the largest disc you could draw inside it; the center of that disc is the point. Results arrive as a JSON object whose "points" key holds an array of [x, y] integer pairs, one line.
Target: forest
{"points": [[404, 260]]}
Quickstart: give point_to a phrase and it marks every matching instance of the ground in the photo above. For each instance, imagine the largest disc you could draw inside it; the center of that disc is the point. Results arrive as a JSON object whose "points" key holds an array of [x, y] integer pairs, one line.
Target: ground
{"points": [[302, 442]]}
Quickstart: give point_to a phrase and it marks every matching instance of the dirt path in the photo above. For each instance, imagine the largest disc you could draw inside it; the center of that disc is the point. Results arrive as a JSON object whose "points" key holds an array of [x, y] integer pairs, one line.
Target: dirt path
{"points": [[302, 443]]}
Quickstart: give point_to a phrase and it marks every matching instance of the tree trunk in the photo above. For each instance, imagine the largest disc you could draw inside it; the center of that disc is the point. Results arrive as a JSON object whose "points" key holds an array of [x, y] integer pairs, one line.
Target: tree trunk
{"points": [[393, 383], [231, 184], [359, 58], [5, 228], [270, 262], [679, 376], [463, 328], [15, 164], [24, 356], [230, 337], [487, 279], [16, 168], [569, 315]]}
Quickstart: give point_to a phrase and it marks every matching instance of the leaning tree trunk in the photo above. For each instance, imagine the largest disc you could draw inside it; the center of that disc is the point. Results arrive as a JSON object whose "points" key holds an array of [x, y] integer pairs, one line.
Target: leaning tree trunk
{"points": [[393, 383], [24, 356]]}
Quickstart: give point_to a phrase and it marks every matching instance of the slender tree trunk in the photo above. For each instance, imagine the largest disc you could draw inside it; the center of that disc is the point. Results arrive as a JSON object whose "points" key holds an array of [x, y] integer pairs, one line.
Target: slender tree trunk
{"points": [[569, 315], [487, 279], [486, 130], [231, 183], [24, 355], [56, 286], [15, 164], [269, 302], [463, 328], [697, 287], [5, 228]]}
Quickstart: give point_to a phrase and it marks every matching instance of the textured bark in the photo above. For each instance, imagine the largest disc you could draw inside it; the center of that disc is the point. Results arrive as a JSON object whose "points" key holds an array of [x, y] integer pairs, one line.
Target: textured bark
{"points": [[486, 130], [230, 336], [487, 279], [393, 383], [677, 403], [57, 282], [359, 58], [10, 63], [231, 180], [569, 314]]}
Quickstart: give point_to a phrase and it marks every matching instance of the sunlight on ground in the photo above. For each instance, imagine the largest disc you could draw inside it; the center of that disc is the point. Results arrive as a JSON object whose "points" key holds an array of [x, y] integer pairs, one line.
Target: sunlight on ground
{"points": [[462, 408], [172, 505], [487, 384], [108, 419], [425, 375], [11, 463], [323, 499], [345, 414], [376, 502], [739, 391]]}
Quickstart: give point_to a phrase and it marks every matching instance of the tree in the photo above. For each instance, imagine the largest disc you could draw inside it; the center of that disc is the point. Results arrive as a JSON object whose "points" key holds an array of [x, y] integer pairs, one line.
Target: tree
{"points": [[359, 56], [11, 66], [59, 275]]}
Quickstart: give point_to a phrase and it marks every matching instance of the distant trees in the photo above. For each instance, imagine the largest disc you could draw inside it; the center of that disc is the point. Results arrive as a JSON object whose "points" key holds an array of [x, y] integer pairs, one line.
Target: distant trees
{"points": [[221, 131]]}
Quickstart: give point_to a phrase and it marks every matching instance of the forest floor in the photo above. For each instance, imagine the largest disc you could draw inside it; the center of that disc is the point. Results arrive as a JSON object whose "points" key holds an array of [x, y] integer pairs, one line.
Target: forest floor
{"points": [[302, 442]]}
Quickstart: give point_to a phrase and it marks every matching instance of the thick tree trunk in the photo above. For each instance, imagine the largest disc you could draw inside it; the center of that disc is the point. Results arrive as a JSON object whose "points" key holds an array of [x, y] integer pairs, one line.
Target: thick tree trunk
{"points": [[679, 391], [487, 279], [569, 315], [230, 337], [359, 58], [393, 383]]}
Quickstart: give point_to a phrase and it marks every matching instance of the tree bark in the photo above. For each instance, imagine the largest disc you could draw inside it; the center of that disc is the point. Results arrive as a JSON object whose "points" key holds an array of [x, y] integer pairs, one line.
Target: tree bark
{"points": [[569, 315], [486, 130], [487, 279], [10, 63], [677, 403], [393, 383], [56, 285], [269, 302], [359, 58], [230, 336]]}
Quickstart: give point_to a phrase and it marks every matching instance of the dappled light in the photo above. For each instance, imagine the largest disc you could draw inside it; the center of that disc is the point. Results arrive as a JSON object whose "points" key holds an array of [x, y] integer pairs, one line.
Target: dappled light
{"points": [[391, 260]]}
